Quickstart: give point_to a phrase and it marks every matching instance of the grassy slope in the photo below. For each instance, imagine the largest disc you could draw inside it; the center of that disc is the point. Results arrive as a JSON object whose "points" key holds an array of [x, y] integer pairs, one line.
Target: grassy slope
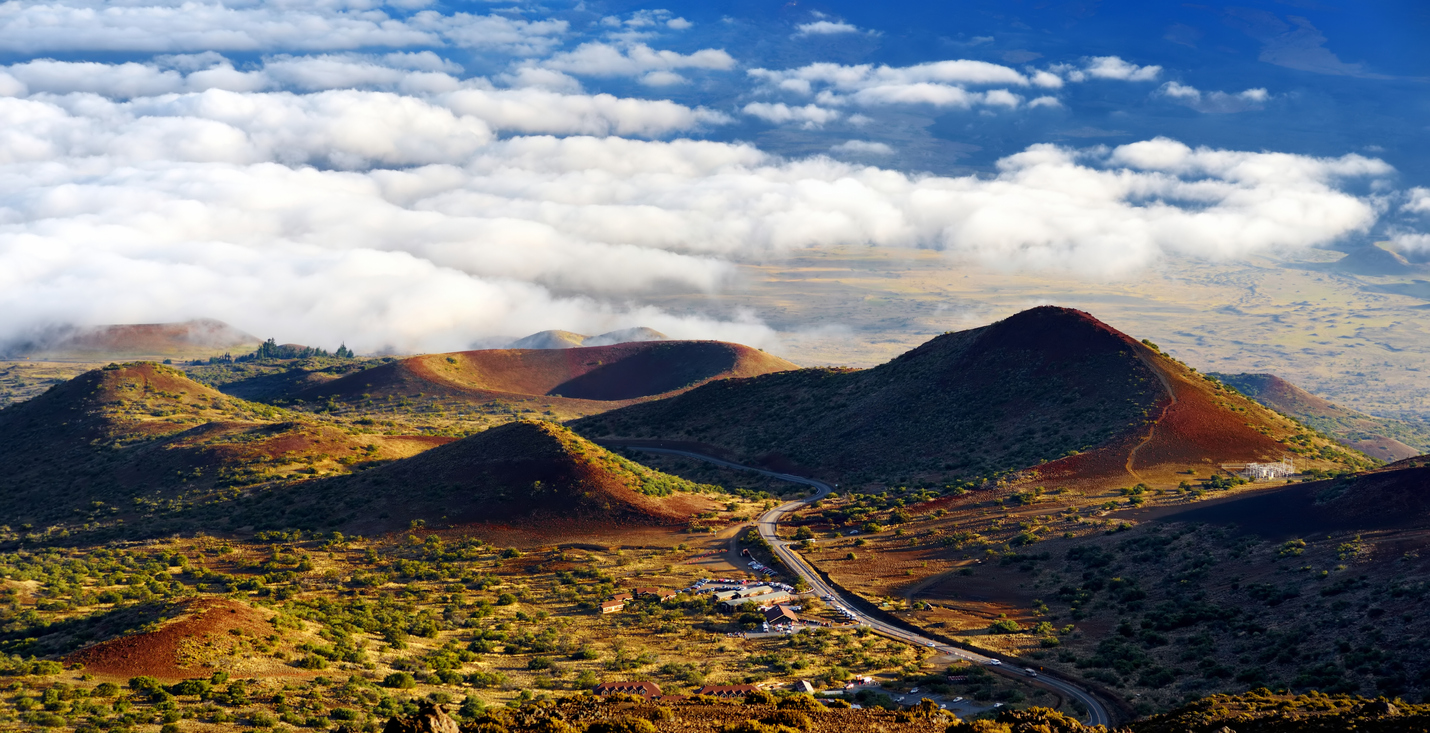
{"points": [[1358, 430], [142, 449], [142, 441], [537, 474], [1307, 586]]}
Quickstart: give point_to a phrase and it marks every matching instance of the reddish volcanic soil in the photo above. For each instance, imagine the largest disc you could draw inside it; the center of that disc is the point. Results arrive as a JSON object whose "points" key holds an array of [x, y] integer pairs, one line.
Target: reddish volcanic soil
{"points": [[595, 376], [1191, 425], [161, 653], [1195, 428]]}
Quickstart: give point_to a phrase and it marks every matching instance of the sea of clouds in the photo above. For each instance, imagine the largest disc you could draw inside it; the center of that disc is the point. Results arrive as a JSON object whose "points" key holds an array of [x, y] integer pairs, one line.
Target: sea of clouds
{"points": [[329, 171]]}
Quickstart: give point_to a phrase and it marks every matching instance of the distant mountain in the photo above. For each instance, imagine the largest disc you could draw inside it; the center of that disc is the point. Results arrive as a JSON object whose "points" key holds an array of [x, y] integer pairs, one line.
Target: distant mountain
{"points": [[1384, 438], [187, 340], [582, 380], [1050, 389], [626, 336], [569, 340], [549, 340], [1377, 259]]}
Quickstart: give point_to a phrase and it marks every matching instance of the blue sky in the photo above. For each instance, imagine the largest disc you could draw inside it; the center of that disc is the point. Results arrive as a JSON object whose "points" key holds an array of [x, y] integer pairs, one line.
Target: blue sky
{"points": [[423, 176]]}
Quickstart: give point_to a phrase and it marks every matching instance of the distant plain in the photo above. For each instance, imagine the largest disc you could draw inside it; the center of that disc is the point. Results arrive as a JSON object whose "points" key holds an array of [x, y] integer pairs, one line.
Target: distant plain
{"points": [[1338, 335]]}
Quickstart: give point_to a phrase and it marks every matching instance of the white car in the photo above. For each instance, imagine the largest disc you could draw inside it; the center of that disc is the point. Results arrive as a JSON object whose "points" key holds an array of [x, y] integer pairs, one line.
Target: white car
{"points": [[957, 699], [994, 663], [914, 691]]}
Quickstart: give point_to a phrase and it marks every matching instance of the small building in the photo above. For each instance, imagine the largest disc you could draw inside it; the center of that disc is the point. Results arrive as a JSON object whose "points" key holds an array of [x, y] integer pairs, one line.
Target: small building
{"points": [[767, 598], [1268, 471], [727, 690], [612, 606], [780, 615], [621, 597], [644, 689], [660, 593], [804, 686]]}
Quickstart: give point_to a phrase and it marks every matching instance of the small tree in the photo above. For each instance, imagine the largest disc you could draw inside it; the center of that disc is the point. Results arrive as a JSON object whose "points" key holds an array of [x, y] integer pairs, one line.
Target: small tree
{"points": [[1004, 626]]}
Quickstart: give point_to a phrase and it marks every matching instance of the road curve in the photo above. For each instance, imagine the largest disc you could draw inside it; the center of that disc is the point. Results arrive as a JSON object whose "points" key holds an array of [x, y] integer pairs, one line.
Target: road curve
{"points": [[767, 523]]}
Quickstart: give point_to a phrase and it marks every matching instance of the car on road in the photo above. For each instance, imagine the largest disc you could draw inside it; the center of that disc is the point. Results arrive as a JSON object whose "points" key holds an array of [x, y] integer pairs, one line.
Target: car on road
{"points": [[994, 663], [1030, 672]]}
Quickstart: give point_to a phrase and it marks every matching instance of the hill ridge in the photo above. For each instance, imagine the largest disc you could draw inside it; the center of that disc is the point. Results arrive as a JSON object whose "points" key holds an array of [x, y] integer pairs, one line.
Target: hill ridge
{"points": [[1050, 390], [1384, 438]]}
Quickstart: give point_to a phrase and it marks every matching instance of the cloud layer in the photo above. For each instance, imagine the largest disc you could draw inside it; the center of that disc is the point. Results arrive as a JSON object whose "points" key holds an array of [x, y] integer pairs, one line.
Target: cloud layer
{"points": [[332, 171], [408, 223]]}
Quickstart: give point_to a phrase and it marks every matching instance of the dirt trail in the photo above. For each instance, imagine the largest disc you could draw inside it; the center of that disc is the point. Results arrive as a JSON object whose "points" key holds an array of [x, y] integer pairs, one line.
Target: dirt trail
{"points": [[1171, 401]]}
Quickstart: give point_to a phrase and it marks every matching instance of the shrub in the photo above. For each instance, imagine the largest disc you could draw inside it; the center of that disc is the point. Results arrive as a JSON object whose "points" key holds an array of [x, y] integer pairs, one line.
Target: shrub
{"points": [[622, 725], [791, 718], [144, 684], [759, 697], [399, 680], [106, 689], [806, 703], [343, 714], [197, 688], [1004, 626], [506, 599]]}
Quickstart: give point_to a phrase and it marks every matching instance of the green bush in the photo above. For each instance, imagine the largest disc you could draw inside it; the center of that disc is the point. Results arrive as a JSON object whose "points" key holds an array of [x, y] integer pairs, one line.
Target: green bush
{"points": [[759, 697], [399, 680], [1004, 626]]}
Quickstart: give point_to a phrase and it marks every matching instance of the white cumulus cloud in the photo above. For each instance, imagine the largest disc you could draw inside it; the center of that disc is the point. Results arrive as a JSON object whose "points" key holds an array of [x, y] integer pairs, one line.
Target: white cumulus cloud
{"points": [[1107, 67], [156, 26], [604, 59], [940, 84], [419, 229], [1214, 102], [862, 147], [810, 115], [825, 28], [1419, 200]]}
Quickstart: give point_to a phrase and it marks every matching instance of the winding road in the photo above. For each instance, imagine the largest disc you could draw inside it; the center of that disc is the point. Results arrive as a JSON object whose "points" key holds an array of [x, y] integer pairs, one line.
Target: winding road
{"points": [[767, 523]]}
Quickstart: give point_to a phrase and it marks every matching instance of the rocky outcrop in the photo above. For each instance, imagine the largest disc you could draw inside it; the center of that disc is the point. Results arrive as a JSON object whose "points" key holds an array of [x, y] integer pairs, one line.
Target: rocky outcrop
{"points": [[430, 718]]}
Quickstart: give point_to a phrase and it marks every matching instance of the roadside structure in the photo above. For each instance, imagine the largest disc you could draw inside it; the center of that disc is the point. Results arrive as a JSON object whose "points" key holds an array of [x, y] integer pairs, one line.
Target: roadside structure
{"points": [[780, 616], [644, 689], [727, 690]]}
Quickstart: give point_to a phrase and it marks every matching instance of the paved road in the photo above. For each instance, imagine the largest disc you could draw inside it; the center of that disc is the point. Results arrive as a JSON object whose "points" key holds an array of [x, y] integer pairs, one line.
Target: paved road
{"points": [[767, 523]]}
